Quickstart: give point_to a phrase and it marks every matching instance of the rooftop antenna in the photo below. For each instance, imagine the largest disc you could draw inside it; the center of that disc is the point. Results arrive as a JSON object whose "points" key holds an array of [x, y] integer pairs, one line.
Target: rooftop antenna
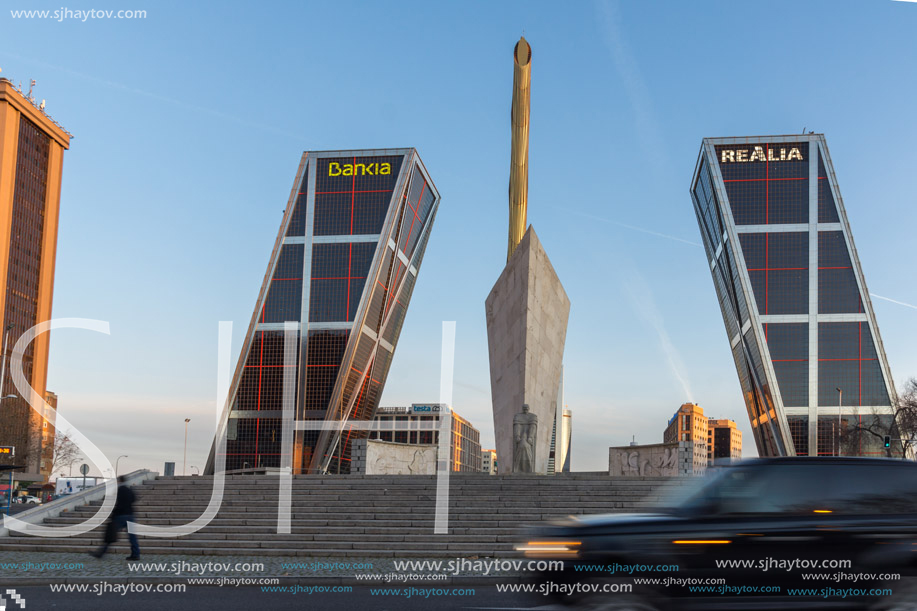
{"points": [[42, 105], [803, 129], [31, 86]]}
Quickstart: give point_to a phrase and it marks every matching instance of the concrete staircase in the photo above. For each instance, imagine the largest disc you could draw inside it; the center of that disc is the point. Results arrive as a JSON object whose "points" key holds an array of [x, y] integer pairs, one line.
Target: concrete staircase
{"points": [[358, 515]]}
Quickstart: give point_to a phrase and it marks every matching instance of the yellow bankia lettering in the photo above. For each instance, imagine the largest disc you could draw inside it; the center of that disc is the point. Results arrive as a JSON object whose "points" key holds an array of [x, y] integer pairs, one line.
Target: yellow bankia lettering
{"points": [[359, 169]]}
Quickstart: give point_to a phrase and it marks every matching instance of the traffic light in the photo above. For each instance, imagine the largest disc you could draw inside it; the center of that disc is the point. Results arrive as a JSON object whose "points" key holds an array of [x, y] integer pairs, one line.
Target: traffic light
{"points": [[888, 441]]}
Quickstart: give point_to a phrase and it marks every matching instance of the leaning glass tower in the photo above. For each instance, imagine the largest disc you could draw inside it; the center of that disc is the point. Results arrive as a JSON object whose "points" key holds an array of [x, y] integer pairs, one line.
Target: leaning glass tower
{"points": [[798, 316], [338, 282]]}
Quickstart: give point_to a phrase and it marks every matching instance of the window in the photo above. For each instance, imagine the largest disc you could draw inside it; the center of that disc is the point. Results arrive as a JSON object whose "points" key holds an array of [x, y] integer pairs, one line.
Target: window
{"points": [[877, 489], [791, 488], [848, 360], [767, 192], [838, 292]]}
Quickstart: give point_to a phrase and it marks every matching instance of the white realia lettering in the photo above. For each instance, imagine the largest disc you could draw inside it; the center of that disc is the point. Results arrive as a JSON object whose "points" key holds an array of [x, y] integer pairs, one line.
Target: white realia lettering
{"points": [[759, 154]]}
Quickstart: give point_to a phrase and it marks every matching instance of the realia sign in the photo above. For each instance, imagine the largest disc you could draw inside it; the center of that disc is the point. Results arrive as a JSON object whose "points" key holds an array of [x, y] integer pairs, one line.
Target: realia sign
{"points": [[759, 154]]}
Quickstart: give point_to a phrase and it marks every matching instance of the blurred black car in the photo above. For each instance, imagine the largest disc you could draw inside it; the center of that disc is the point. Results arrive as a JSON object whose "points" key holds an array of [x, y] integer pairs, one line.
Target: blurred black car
{"points": [[779, 533]]}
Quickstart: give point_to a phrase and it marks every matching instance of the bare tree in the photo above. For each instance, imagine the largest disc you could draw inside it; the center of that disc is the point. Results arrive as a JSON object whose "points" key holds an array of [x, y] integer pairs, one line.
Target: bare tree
{"points": [[900, 427], [66, 452], [32, 449]]}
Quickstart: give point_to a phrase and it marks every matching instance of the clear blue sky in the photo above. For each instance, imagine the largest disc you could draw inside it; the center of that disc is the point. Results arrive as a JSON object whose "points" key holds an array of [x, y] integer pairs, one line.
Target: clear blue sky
{"points": [[189, 125]]}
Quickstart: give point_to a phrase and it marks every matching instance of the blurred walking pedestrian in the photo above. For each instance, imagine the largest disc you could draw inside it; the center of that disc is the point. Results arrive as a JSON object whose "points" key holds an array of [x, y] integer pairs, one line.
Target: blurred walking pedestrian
{"points": [[120, 516]]}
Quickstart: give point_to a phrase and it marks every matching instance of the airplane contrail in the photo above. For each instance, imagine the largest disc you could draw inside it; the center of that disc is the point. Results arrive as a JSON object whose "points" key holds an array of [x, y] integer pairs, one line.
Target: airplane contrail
{"points": [[684, 241], [907, 305], [155, 96], [631, 227]]}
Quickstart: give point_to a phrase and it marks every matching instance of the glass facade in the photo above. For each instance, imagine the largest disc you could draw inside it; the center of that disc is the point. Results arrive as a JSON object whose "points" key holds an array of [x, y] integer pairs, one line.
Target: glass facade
{"points": [[20, 310], [343, 268], [25, 249], [32, 148], [792, 295]]}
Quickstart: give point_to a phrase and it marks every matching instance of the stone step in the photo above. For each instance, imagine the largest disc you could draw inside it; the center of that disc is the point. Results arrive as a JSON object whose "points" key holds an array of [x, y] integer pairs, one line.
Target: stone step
{"points": [[180, 518], [270, 524], [237, 538], [484, 512], [455, 507], [274, 485], [419, 486], [389, 496], [420, 482], [398, 501], [44, 543], [330, 480], [457, 475], [308, 526], [146, 548], [306, 501], [379, 506], [353, 516], [471, 491], [341, 534]]}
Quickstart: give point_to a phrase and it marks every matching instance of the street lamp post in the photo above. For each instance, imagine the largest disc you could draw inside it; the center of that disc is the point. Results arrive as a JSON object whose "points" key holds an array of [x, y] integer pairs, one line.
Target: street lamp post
{"points": [[185, 458], [117, 461], [840, 402], [6, 336], [9, 497]]}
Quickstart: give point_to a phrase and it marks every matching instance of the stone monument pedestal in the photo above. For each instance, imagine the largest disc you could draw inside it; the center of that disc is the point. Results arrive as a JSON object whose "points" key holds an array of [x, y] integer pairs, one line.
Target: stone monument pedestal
{"points": [[527, 312]]}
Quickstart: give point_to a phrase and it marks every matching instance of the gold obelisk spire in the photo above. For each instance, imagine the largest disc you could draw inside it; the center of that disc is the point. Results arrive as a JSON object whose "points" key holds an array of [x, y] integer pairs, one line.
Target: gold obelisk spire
{"points": [[519, 157]]}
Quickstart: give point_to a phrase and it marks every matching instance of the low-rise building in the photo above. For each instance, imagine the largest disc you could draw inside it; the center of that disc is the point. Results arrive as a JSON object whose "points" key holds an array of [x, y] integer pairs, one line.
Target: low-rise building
{"points": [[489, 462], [418, 425], [689, 424], [724, 440]]}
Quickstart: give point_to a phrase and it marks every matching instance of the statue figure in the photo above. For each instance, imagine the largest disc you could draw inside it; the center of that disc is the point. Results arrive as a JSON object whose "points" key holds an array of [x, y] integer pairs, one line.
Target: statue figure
{"points": [[525, 425]]}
